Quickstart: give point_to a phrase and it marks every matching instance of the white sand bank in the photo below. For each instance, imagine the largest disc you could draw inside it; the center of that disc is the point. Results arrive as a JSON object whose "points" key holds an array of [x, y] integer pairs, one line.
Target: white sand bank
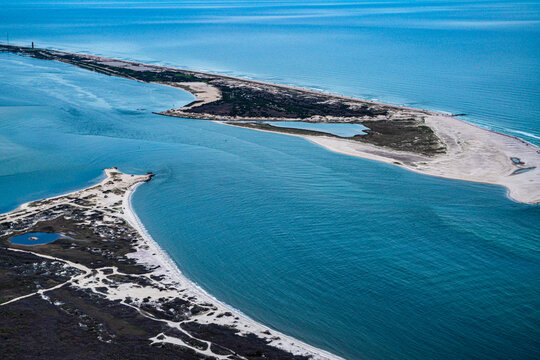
{"points": [[153, 255], [472, 154]]}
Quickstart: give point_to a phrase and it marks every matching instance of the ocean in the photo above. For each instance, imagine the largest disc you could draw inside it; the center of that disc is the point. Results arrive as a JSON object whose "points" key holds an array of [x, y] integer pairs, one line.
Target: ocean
{"points": [[360, 258]]}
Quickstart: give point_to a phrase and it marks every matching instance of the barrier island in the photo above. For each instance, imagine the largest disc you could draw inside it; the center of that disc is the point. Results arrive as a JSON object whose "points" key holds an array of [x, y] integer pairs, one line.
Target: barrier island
{"points": [[426, 142]]}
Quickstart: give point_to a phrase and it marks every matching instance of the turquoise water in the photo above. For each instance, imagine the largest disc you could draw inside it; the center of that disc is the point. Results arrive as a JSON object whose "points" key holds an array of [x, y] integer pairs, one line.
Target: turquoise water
{"points": [[37, 238], [478, 57], [357, 257], [343, 130]]}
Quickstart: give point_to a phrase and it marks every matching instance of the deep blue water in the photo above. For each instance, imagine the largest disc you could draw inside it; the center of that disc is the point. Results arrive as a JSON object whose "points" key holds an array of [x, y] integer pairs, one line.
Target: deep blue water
{"points": [[360, 258], [37, 238], [344, 130]]}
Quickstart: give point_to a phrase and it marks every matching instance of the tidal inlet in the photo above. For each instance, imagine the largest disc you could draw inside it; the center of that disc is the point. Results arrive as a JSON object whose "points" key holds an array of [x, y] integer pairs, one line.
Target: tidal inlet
{"points": [[278, 180]]}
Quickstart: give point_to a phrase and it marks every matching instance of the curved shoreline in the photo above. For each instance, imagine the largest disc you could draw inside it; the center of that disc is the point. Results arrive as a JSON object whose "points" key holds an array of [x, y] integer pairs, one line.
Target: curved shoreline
{"points": [[295, 346], [124, 267], [336, 145], [487, 159], [427, 142]]}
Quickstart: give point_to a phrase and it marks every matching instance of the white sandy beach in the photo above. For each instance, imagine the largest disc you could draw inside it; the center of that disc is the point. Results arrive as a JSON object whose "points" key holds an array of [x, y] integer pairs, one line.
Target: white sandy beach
{"points": [[112, 198], [473, 154], [154, 255]]}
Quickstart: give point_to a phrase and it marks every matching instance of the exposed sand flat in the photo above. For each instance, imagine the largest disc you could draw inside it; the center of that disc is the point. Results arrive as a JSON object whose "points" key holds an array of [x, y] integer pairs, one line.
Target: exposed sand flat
{"points": [[204, 92], [473, 154]]}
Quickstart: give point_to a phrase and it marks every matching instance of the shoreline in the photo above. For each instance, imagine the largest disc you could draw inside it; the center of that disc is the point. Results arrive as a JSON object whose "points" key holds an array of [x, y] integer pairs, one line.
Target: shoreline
{"points": [[424, 141], [163, 259], [243, 79], [333, 144], [112, 266], [526, 190]]}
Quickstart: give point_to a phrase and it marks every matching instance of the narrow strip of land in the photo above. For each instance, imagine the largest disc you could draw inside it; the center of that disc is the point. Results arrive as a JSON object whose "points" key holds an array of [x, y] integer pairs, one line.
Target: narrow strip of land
{"points": [[423, 141]]}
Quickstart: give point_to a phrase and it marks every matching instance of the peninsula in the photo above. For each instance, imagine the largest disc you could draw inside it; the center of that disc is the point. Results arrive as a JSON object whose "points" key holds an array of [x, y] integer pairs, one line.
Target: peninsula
{"points": [[103, 289], [423, 141]]}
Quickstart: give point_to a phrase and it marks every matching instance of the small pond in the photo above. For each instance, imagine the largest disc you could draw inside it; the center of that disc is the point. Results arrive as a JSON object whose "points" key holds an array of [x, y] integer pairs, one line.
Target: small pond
{"points": [[520, 171], [36, 238]]}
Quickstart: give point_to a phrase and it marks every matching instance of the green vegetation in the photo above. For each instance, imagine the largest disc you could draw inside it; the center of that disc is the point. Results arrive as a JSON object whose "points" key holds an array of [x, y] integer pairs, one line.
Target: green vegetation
{"points": [[403, 135]]}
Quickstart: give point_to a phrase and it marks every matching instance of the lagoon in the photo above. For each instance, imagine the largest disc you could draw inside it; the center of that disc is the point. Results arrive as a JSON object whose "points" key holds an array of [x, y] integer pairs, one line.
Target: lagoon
{"points": [[343, 130]]}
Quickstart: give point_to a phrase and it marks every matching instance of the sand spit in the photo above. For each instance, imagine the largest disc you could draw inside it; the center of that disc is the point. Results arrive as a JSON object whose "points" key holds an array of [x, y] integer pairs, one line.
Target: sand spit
{"points": [[111, 260], [472, 154], [204, 92], [423, 141]]}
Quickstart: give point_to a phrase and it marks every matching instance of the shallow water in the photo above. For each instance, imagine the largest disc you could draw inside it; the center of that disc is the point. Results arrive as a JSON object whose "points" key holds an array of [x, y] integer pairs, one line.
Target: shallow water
{"points": [[521, 171], [343, 130], [360, 258]]}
